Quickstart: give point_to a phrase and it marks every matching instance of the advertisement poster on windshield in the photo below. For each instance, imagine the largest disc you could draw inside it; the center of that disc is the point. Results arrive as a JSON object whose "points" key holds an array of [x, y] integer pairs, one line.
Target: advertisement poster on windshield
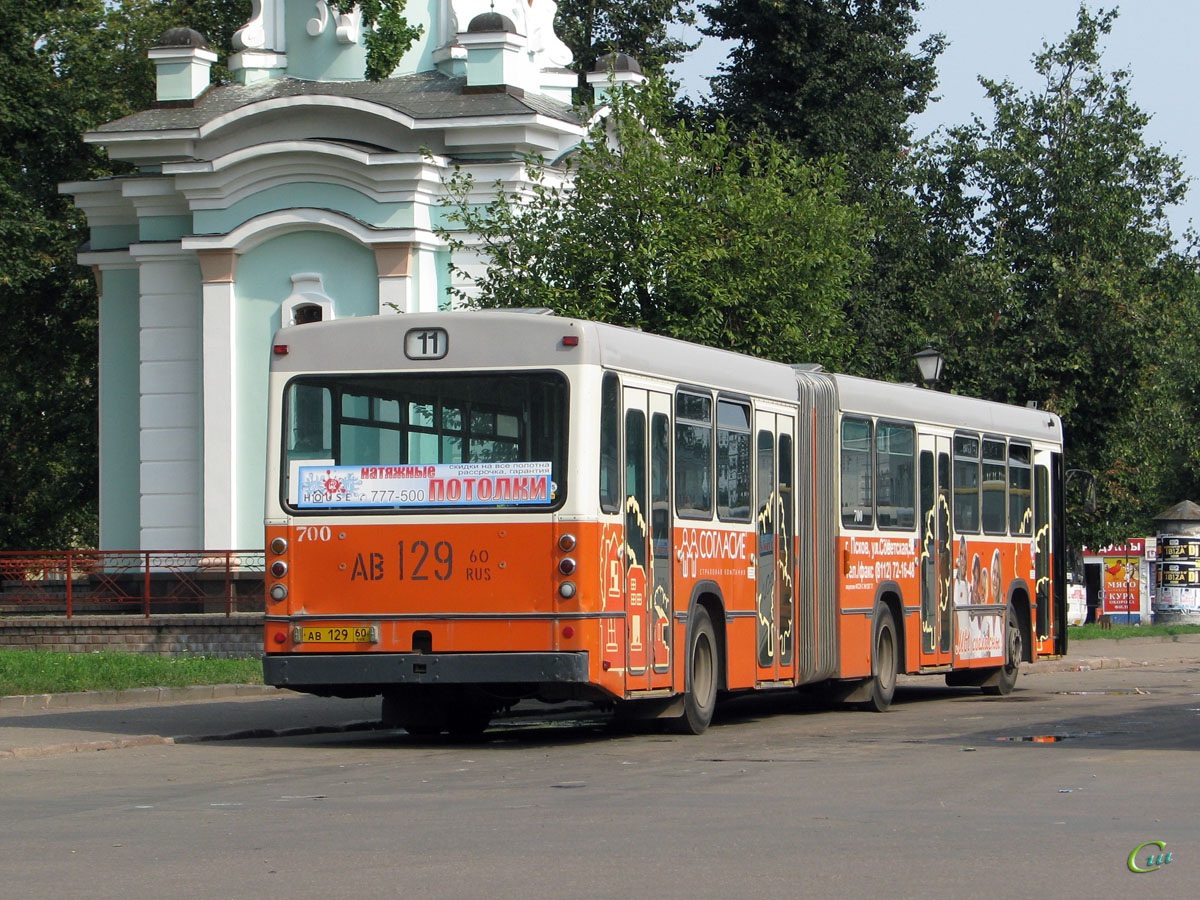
{"points": [[453, 484]]}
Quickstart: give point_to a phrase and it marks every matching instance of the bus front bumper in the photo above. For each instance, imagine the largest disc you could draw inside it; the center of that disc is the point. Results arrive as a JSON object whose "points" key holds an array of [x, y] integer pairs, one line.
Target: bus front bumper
{"points": [[300, 670]]}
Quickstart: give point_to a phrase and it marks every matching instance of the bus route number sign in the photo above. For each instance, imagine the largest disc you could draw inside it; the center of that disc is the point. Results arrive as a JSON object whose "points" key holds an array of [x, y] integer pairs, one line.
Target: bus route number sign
{"points": [[426, 343]]}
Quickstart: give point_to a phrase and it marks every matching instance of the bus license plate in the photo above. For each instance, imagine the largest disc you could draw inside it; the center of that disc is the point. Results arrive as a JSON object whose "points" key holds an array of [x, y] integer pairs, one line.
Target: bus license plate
{"points": [[339, 634]]}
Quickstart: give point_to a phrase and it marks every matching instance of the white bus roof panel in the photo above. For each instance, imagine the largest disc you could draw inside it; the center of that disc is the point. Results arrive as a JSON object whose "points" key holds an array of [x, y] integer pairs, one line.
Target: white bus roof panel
{"points": [[498, 339], [906, 402]]}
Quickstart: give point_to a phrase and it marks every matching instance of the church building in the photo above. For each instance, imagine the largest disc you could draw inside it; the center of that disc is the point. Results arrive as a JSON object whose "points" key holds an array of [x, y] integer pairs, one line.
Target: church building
{"points": [[301, 191]]}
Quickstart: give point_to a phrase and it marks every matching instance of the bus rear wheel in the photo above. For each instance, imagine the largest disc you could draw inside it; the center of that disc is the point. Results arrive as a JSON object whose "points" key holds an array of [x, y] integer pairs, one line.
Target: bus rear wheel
{"points": [[469, 717], [701, 678], [419, 711], [1002, 681], [881, 687]]}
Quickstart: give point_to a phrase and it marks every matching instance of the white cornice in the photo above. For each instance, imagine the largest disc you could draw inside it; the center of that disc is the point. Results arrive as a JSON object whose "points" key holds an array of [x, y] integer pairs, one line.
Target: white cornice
{"points": [[384, 177], [103, 202], [107, 259], [154, 197]]}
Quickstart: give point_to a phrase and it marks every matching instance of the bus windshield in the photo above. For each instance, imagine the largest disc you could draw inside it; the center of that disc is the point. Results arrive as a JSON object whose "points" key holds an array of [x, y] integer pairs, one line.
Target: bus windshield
{"points": [[390, 442]]}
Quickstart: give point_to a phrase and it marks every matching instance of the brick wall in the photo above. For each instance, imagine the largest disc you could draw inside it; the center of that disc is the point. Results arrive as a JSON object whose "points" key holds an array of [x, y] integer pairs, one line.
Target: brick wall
{"points": [[239, 635]]}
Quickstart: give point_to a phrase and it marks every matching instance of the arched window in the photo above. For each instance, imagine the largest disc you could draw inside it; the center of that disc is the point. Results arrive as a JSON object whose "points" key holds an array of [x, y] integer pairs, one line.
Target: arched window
{"points": [[307, 302]]}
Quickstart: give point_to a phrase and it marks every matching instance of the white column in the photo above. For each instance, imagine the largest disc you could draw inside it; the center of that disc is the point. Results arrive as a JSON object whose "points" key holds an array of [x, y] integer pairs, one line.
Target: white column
{"points": [[169, 382], [426, 275], [394, 263], [219, 404]]}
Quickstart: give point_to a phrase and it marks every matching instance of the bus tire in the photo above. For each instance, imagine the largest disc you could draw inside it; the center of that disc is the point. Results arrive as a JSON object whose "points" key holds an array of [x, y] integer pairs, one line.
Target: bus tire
{"points": [[881, 686], [468, 718], [413, 710], [701, 676], [1002, 681]]}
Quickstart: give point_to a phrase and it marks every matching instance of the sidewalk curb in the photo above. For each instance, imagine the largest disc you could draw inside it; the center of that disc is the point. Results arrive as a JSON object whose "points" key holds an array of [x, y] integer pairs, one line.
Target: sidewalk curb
{"points": [[137, 696], [144, 740], [1079, 665]]}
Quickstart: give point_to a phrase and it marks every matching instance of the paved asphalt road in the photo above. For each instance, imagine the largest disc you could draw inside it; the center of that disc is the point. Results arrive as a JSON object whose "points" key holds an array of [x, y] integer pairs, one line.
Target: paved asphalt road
{"points": [[1045, 793]]}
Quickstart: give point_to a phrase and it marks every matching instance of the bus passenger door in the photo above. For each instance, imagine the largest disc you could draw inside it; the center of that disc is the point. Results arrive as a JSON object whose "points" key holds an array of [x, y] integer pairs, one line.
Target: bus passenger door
{"points": [[1050, 615], [648, 530], [775, 546], [936, 552]]}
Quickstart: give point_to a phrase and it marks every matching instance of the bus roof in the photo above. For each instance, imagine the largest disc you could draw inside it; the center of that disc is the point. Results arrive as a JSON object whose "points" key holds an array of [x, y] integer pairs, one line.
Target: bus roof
{"points": [[906, 402], [496, 339]]}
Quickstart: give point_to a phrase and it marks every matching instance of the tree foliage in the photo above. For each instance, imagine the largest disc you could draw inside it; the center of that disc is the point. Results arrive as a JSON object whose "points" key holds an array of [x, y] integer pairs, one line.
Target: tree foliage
{"points": [[592, 28], [1055, 228], [677, 231], [833, 77], [64, 69], [47, 306], [840, 79], [389, 35]]}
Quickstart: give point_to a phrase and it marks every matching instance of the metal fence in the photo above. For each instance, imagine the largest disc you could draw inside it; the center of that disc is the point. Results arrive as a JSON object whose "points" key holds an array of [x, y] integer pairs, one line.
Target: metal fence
{"points": [[146, 582]]}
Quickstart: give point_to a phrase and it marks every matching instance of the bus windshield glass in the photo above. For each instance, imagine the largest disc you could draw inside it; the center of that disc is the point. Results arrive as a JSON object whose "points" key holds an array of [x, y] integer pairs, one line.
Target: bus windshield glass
{"points": [[391, 442]]}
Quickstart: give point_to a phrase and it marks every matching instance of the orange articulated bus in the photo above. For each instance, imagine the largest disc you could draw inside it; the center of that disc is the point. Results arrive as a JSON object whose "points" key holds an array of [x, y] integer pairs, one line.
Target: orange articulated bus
{"points": [[468, 509]]}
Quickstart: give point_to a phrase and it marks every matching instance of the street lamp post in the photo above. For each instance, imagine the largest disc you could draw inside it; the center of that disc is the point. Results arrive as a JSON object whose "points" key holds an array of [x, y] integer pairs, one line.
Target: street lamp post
{"points": [[930, 362]]}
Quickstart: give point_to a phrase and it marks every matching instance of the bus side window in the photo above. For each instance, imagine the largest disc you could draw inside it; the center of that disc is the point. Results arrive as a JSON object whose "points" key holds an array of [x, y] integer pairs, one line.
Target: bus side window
{"points": [[610, 443], [995, 481], [1020, 490], [895, 475], [966, 483], [858, 495], [733, 461], [693, 455]]}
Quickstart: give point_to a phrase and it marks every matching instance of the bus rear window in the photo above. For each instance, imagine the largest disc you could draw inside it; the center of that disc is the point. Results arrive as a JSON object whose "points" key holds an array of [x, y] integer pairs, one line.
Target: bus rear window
{"points": [[402, 441]]}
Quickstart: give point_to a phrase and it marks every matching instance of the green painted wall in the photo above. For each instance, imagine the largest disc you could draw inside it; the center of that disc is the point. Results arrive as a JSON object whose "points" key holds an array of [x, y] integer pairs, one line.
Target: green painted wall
{"points": [[164, 228], [350, 279], [319, 58], [315, 196], [323, 58], [120, 512]]}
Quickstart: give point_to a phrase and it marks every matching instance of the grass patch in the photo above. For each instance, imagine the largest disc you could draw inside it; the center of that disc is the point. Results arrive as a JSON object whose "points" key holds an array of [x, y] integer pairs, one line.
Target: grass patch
{"points": [[47, 672], [1090, 632]]}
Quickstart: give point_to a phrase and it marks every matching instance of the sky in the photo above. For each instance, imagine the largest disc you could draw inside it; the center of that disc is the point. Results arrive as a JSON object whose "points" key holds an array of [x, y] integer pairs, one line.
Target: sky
{"points": [[1154, 40]]}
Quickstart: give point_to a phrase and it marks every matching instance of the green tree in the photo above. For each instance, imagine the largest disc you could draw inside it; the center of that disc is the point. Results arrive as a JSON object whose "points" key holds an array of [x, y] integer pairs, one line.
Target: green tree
{"points": [[1153, 458], [47, 303], [1056, 234], [592, 28], [840, 79], [64, 69], [677, 231], [834, 77], [389, 35]]}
